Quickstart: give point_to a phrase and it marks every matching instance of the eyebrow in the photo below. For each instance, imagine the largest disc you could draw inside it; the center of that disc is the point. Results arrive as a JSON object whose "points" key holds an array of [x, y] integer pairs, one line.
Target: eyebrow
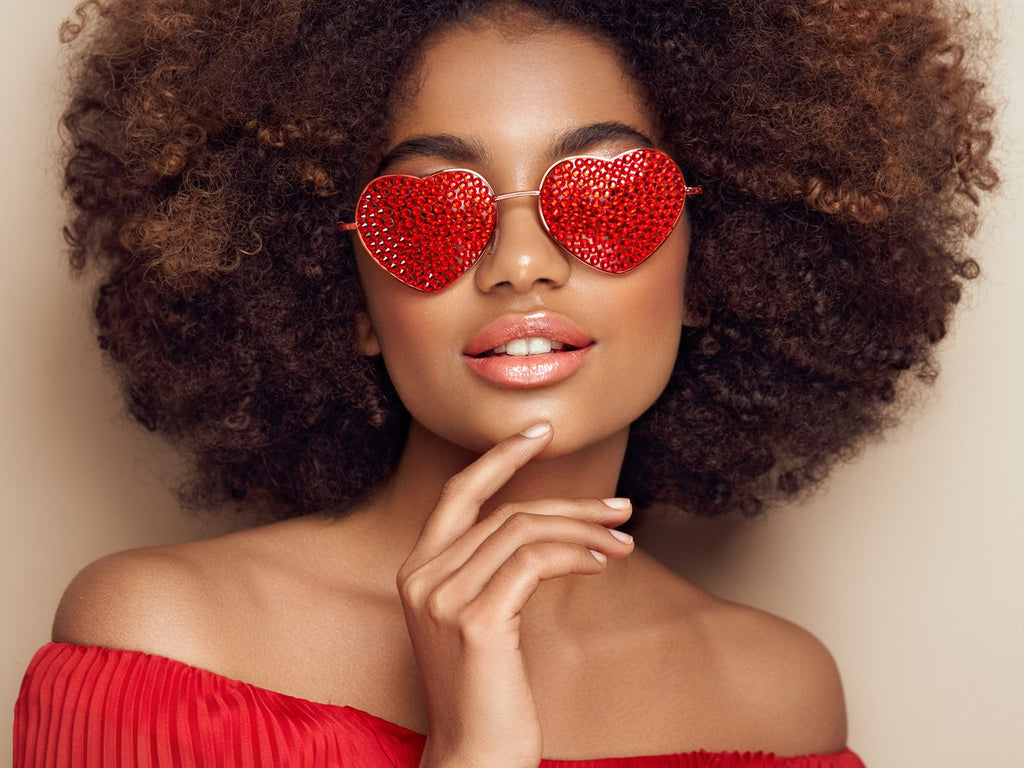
{"points": [[581, 139], [443, 145], [463, 150]]}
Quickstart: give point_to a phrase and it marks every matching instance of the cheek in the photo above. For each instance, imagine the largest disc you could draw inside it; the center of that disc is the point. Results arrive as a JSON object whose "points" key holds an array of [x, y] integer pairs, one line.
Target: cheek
{"points": [[665, 289], [658, 329], [392, 306], [411, 329], [644, 311], [663, 312], [401, 327], [389, 309]]}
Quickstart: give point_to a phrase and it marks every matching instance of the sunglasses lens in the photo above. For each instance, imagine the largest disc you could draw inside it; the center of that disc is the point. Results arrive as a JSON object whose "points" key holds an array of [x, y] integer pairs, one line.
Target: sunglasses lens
{"points": [[613, 214], [426, 232]]}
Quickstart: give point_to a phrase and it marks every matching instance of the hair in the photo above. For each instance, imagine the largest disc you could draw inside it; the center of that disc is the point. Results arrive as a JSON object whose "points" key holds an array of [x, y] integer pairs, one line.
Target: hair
{"points": [[212, 144]]}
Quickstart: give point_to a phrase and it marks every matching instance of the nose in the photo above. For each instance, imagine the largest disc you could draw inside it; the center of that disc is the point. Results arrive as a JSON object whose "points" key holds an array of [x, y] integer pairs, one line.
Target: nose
{"points": [[521, 254]]}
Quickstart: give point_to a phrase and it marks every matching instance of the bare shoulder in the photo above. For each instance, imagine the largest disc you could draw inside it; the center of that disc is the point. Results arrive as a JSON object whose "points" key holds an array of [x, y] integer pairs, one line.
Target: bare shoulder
{"points": [[140, 599], [739, 678], [236, 604], [780, 676]]}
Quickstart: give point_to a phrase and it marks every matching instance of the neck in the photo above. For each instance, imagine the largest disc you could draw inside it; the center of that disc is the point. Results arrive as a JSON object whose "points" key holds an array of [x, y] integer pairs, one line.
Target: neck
{"points": [[402, 505]]}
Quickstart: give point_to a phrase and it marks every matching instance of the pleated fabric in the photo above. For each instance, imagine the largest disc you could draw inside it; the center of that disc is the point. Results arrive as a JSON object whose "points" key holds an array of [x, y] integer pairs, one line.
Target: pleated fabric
{"points": [[94, 707]]}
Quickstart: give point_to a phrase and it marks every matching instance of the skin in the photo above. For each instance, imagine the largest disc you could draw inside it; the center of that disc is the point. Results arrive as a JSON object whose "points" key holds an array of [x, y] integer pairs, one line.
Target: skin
{"points": [[474, 623]]}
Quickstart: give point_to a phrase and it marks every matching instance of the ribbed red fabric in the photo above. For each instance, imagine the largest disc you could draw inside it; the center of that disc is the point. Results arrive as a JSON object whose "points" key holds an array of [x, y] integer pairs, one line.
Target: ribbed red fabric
{"points": [[92, 707]]}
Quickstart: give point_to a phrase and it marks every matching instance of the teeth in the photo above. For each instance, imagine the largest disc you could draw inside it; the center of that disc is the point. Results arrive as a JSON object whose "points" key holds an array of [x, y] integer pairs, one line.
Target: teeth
{"points": [[529, 346]]}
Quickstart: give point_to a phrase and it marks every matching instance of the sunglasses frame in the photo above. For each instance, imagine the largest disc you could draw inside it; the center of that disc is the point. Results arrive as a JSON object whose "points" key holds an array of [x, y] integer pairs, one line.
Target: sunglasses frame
{"points": [[354, 226]]}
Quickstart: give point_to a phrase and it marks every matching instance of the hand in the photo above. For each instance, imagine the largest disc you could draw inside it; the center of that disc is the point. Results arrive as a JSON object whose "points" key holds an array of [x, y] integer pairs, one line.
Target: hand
{"points": [[463, 588]]}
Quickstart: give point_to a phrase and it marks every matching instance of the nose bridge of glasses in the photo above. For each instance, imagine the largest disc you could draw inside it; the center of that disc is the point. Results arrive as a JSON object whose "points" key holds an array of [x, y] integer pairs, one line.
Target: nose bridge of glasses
{"points": [[522, 251], [520, 193]]}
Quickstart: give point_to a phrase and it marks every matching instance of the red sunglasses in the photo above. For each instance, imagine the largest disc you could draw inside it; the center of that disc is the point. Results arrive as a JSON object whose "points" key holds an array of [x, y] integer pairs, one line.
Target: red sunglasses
{"points": [[609, 214]]}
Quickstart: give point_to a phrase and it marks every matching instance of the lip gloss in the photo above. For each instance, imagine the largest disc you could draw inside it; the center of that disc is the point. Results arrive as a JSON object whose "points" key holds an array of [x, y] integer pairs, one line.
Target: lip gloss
{"points": [[521, 371], [528, 371]]}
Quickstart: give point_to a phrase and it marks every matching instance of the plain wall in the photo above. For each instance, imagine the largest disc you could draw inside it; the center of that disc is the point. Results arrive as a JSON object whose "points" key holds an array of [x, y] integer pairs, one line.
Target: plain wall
{"points": [[908, 565]]}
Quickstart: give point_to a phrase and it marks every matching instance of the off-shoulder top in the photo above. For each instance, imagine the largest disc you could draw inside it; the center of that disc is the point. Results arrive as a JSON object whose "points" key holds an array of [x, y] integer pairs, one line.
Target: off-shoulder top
{"points": [[94, 707]]}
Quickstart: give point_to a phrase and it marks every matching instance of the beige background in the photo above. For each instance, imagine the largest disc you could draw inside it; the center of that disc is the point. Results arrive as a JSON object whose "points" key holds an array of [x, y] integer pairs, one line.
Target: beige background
{"points": [[909, 567]]}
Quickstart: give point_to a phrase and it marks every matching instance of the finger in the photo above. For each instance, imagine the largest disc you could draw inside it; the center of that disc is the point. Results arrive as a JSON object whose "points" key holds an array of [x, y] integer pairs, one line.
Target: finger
{"points": [[518, 533], [502, 600], [513, 525], [464, 494]]}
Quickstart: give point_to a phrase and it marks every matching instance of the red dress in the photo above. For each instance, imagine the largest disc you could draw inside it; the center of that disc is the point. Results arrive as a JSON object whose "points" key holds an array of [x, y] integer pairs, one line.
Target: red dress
{"points": [[92, 707]]}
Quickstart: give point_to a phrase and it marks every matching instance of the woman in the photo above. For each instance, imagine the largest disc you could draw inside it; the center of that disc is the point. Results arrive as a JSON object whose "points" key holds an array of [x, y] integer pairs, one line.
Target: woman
{"points": [[469, 398]]}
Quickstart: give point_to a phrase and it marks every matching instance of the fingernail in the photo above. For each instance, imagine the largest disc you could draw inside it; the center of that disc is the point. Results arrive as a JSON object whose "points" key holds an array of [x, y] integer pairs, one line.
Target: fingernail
{"points": [[616, 503], [625, 538], [537, 430], [601, 557]]}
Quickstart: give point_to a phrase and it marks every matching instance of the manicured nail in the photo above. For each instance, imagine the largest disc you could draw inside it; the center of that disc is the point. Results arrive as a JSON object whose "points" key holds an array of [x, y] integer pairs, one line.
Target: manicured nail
{"points": [[601, 557], [537, 430], [625, 538], [616, 503]]}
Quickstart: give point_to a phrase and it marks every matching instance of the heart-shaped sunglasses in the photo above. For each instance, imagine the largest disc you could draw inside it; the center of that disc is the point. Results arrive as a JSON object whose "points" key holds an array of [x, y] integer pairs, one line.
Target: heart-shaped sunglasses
{"points": [[608, 213]]}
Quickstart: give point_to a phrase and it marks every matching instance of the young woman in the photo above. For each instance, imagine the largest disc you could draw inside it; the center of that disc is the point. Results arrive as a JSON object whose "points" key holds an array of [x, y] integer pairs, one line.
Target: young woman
{"points": [[453, 291]]}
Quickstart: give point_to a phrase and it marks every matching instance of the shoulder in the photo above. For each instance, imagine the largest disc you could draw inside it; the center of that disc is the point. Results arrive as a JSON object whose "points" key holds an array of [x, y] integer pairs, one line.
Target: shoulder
{"points": [[182, 601], [780, 677], [140, 599], [208, 603], [740, 678]]}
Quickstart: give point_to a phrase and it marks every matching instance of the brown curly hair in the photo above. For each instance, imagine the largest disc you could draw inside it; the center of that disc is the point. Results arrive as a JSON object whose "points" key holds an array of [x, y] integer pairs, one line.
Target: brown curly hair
{"points": [[212, 144]]}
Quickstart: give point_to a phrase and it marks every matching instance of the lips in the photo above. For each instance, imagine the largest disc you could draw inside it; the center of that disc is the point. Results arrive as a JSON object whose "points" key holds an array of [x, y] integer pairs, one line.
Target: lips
{"points": [[541, 325], [527, 350]]}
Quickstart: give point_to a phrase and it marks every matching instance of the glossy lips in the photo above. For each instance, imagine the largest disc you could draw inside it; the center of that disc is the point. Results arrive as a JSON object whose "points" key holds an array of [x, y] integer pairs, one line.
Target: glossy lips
{"points": [[531, 370], [610, 214]]}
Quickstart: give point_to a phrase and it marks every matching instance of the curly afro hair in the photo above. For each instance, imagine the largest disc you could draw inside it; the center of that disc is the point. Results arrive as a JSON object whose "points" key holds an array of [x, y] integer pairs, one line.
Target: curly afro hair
{"points": [[212, 144]]}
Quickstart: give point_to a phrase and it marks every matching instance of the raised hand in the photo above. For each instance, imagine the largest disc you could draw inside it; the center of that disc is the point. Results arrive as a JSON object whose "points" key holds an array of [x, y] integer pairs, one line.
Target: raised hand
{"points": [[463, 588]]}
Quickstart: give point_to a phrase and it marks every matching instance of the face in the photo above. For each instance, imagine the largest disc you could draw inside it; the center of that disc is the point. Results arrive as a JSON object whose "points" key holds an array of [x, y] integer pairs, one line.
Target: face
{"points": [[508, 107]]}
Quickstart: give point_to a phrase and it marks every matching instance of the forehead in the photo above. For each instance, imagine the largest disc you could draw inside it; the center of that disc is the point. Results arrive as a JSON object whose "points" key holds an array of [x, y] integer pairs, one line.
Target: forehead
{"points": [[512, 88]]}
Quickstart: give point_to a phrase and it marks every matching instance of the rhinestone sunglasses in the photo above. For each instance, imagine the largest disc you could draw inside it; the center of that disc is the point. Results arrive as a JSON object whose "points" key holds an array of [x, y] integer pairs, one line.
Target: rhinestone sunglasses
{"points": [[609, 213]]}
